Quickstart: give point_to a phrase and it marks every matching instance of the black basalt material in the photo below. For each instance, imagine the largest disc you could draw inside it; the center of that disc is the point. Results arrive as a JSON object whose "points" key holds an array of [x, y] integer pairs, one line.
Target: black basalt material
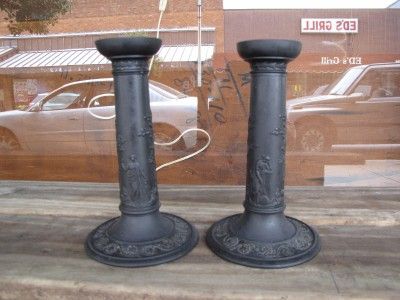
{"points": [[262, 236], [141, 236]]}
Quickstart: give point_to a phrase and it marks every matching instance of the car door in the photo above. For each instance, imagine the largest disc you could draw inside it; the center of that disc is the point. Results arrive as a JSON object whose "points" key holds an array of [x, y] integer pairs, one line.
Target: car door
{"points": [[99, 120], [56, 125], [381, 108]]}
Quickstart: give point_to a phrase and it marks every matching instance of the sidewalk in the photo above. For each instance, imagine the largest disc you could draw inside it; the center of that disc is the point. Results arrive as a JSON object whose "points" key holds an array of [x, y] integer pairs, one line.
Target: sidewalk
{"points": [[374, 173]]}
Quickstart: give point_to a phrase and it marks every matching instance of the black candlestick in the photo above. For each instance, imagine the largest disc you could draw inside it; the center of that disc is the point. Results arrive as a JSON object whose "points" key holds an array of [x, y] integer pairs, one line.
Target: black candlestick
{"points": [[263, 236], [141, 236]]}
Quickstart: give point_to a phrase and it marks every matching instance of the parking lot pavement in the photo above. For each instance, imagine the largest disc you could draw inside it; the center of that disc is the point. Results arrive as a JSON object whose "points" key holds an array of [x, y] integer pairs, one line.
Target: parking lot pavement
{"points": [[374, 173]]}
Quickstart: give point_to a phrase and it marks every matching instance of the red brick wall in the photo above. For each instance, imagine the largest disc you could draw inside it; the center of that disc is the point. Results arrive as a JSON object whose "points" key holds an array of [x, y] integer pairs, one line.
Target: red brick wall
{"points": [[89, 8], [103, 15]]}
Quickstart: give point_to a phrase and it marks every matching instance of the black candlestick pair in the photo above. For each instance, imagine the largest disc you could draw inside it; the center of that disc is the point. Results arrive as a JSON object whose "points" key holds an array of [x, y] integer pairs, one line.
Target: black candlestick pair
{"points": [[142, 236]]}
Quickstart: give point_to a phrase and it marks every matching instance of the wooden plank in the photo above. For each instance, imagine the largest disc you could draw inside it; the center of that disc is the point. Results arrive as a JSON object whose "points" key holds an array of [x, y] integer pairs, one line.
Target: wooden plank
{"points": [[43, 227]]}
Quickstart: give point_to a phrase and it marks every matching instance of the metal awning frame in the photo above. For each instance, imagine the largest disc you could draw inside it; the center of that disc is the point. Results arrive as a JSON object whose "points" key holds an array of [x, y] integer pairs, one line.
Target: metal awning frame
{"points": [[89, 59]]}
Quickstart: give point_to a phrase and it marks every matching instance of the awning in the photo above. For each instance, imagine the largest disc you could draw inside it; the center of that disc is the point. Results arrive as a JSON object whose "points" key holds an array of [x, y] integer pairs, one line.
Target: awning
{"points": [[89, 59], [187, 53], [5, 52]]}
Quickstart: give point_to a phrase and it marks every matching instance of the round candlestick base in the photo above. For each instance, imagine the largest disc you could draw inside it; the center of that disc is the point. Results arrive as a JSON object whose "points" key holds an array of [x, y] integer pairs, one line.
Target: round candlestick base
{"points": [[101, 246], [226, 239]]}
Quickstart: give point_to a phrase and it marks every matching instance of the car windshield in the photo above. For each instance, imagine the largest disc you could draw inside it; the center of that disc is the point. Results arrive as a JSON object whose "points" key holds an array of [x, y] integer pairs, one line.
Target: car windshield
{"points": [[36, 100], [341, 85], [165, 90], [60, 101]]}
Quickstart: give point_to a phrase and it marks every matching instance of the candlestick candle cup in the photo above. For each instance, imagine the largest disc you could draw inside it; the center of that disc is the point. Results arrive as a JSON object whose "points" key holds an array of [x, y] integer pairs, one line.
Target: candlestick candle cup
{"points": [[263, 236], [141, 236]]}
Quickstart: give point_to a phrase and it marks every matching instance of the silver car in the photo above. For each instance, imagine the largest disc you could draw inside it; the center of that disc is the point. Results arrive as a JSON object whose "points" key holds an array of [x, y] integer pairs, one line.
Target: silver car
{"points": [[359, 111], [61, 122]]}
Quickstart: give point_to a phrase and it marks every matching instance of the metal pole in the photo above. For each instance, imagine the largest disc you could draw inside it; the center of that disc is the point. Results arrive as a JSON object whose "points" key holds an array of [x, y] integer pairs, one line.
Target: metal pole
{"points": [[162, 7], [199, 43]]}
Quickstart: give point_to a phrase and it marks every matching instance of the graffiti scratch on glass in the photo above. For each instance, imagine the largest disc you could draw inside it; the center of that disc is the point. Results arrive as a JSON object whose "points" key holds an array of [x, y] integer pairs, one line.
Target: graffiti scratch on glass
{"points": [[185, 84], [66, 75], [221, 86], [245, 78], [216, 100]]}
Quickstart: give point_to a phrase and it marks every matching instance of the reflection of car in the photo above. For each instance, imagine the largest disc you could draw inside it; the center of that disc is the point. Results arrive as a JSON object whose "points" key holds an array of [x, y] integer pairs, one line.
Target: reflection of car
{"points": [[361, 107], [60, 122], [319, 90]]}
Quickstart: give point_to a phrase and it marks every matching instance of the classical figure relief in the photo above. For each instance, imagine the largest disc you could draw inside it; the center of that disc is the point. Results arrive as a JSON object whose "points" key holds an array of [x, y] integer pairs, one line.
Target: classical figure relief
{"points": [[136, 187], [260, 180], [121, 144], [148, 130], [278, 131]]}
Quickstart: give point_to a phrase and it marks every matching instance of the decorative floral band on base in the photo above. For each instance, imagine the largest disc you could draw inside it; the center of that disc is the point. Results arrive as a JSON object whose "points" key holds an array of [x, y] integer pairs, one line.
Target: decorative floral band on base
{"points": [[102, 243], [303, 240]]}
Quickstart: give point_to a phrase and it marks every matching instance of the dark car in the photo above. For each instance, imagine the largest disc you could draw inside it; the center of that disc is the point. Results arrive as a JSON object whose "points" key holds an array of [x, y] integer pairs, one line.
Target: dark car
{"points": [[360, 108]]}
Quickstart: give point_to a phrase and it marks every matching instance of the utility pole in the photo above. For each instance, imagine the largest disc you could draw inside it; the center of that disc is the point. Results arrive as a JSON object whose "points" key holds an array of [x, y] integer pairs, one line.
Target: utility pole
{"points": [[199, 43], [162, 6]]}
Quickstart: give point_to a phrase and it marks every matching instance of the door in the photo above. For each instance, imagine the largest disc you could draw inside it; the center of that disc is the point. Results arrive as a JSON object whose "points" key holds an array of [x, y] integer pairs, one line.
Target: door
{"points": [[99, 119], [380, 111], [56, 126]]}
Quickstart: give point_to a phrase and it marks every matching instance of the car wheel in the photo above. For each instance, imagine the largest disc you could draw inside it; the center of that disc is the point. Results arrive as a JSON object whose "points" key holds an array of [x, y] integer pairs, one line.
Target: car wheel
{"points": [[166, 134], [8, 142], [313, 138]]}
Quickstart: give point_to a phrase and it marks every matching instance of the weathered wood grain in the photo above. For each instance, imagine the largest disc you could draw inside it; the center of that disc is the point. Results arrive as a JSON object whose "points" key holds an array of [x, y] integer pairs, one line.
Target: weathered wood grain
{"points": [[43, 227]]}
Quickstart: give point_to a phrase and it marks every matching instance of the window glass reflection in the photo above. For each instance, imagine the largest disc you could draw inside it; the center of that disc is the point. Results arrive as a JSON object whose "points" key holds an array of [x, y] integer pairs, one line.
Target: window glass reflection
{"points": [[57, 101], [343, 83]]}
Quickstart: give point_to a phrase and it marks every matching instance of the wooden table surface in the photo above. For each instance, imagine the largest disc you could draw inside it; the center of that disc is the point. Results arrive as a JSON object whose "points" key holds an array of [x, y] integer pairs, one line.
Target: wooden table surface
{"points": [[43, 227]]}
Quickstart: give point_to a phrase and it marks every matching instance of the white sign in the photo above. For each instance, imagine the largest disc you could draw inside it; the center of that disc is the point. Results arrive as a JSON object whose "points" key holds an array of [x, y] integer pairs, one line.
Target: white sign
{"points": [[354, 60], [25, 90], [329, 25], [307, 4]]}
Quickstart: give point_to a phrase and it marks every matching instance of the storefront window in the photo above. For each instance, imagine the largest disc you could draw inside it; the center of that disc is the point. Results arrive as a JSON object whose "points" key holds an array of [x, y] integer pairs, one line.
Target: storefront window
{"points": [[343, 91]]}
